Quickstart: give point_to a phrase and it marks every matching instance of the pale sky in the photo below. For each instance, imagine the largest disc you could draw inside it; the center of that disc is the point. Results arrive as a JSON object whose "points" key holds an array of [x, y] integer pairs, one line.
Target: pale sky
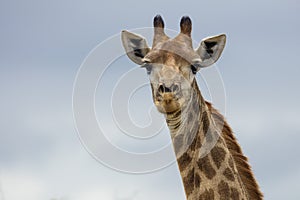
{"points": [[43, 44]]}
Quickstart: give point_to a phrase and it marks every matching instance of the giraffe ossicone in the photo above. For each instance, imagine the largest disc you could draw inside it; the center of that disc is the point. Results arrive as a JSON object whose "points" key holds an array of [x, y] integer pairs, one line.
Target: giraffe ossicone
{"points": [[210, 160]]}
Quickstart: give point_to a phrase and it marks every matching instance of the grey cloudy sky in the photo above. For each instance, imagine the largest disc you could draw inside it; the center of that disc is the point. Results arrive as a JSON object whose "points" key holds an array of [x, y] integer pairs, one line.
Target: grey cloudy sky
{"points": [[42, 45]]}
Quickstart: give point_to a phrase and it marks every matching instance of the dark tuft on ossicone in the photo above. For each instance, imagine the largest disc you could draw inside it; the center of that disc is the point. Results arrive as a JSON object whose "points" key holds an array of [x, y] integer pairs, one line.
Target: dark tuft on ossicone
{"points": [[158, 22], [186, 25]]}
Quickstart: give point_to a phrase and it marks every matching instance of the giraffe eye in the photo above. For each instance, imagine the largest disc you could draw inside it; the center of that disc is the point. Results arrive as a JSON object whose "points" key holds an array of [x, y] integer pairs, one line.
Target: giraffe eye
{"points": [[194, 69]]}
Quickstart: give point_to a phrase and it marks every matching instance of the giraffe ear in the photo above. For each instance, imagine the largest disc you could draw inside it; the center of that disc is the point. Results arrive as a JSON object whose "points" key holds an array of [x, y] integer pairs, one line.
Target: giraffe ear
{"points": [[210, 49], [135, 46]]}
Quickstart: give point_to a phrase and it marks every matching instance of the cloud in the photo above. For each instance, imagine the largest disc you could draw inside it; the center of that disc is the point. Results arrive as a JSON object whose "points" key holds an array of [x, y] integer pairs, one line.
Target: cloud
{"points": [[40, 154], [17, 184]]}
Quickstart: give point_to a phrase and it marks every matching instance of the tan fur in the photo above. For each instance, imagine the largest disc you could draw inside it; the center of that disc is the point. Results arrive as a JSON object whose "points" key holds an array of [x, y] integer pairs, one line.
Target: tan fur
{"points": [[240, 160], [221, 172]]}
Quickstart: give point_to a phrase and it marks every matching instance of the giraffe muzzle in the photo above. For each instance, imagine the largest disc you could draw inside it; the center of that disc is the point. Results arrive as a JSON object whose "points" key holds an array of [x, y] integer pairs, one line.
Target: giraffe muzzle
{"points": [[173, 88], [168, 93]]}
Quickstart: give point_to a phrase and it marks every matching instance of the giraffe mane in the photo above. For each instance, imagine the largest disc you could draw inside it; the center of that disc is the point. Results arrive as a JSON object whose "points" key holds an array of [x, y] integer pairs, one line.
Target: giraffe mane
{"points": [[240, 160]]}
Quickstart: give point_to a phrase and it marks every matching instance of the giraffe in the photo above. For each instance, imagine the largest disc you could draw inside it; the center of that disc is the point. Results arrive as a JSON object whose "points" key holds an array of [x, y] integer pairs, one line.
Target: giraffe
{"points": [[209, 158]]}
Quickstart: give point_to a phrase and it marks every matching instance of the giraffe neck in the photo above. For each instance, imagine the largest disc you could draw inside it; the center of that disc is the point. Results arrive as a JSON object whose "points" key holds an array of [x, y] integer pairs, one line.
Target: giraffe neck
{"points": [[206, 166]]}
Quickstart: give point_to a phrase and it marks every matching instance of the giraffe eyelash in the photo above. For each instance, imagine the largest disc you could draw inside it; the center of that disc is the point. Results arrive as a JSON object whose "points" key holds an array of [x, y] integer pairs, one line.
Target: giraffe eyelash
{"points": [[195, 68]]}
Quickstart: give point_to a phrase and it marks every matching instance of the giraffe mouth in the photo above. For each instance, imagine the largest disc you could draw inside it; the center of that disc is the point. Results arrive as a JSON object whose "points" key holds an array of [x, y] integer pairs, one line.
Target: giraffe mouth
{"points": [[167, 102], [167, 97]]}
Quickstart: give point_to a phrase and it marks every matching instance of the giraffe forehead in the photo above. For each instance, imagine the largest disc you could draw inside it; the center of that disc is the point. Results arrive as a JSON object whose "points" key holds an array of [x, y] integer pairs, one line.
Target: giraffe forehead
{"points": [[173, 53], [171, 58]]}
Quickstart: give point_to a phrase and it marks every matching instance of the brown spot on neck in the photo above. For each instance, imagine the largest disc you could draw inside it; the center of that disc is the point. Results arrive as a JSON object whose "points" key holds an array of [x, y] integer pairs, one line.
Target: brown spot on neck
{"points": [[188, 182], [184, 161], [206, 167], [223, 190], [228, 174], [197, 180], [234, 194], [218, 156], [207, 195]]}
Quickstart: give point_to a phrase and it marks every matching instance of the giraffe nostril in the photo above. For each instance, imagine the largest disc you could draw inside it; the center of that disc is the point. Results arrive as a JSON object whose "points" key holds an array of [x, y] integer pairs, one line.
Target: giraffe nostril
{"points": [[175, 88], [168, 89], [161, 88]]}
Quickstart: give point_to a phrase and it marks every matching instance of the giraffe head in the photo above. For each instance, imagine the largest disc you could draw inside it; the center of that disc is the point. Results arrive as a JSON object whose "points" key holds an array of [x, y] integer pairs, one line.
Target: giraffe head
{"points": [[172, 63]]}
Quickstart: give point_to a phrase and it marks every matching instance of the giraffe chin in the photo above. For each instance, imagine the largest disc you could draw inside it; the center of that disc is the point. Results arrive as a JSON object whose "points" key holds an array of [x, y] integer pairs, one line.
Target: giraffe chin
{"points": [[167, 106]]}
